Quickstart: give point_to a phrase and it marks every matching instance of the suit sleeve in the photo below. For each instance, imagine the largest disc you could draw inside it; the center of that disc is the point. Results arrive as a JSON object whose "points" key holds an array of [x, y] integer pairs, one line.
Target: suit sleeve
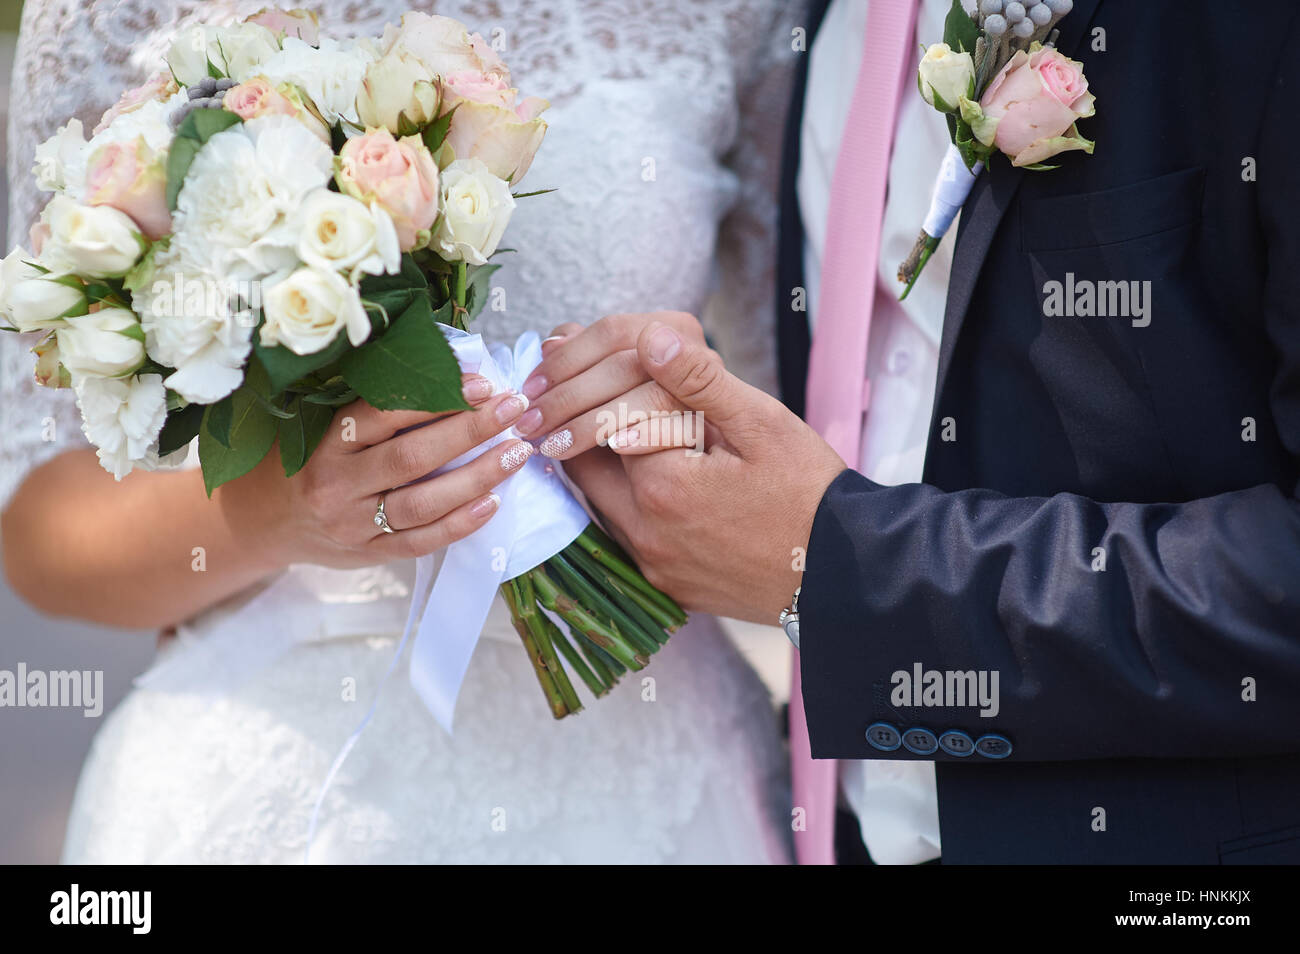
{"points": [[1187, 643]]}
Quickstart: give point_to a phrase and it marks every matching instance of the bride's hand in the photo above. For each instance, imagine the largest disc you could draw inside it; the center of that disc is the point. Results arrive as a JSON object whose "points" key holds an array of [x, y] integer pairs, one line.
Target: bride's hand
{"points": [[590, 383], [325, 514]]}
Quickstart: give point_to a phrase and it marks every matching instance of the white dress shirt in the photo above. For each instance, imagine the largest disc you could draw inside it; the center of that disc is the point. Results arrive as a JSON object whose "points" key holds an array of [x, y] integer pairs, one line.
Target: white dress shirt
{"points": [[895, 801]]}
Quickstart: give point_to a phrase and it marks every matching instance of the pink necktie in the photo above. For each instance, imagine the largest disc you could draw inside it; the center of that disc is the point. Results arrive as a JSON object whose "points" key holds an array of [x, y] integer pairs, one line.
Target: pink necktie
{"points": [[837, 387]]}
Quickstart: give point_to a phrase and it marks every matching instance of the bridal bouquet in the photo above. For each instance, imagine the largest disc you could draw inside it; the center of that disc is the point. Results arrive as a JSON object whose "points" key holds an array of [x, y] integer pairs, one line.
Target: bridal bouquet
{"points": [[281, 222], [1003, 87]]}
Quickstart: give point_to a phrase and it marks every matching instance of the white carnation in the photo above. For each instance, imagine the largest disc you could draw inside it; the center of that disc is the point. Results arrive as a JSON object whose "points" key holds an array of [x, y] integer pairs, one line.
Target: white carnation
{"points": [[123, 417], [330, 76], [193, 324], [236, 216]]}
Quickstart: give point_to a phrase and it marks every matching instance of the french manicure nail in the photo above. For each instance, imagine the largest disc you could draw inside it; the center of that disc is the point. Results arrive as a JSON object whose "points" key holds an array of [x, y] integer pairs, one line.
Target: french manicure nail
{"points": [[516, 454], [535, 387], [510, 409], [477, 389], [557, 443], [531, 421], [624, 439], [483, 507], [663, 345]]}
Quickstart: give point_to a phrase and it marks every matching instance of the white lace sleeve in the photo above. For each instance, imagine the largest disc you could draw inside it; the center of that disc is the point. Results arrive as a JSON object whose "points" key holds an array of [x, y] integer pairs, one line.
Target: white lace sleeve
{"points": [[740, 318]]}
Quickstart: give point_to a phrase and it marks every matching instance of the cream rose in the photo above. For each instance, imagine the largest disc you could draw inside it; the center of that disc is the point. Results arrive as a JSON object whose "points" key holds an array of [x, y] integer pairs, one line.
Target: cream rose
{"points": [[132, 178], [397, 174], [444, 45], [504, 139], [50, 372], [476, 207], [92, 241], [398, 93], [307, 311], [340, 233], [107, 343], [945, 77], [238, 50]]}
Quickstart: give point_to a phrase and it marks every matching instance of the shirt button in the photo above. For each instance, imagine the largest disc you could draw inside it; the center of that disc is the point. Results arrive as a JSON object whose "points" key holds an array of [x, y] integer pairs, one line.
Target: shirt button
{"points": [[899, 361]]}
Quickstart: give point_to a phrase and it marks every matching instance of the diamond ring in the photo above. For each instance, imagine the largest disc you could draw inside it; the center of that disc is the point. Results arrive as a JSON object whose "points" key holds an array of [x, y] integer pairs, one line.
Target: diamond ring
{"points": [[381, 518]]}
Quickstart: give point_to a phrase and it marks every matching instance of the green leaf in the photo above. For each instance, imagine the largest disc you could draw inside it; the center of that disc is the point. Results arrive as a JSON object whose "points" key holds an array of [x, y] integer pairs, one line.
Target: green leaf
{"points": [[301, 434], [181, 427], [477, 291], [217, 418], [195, 130], [252, 432], [960, 31], [525, 195], [283, 367], [410, 366], [436, 131]]}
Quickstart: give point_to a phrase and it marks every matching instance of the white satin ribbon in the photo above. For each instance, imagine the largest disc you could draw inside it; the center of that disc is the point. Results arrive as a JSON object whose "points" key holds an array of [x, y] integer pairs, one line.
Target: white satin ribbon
{"points": [[951, 187], [537, 518]]}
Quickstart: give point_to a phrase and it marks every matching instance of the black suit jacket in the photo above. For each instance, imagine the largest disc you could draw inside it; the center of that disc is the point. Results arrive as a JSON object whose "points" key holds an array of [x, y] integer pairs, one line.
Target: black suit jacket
{"points": [[1109, 515]]}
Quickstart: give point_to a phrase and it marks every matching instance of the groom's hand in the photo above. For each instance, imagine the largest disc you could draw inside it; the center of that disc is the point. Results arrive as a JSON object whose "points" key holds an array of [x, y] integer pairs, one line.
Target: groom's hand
{"points": [[722, 531]]}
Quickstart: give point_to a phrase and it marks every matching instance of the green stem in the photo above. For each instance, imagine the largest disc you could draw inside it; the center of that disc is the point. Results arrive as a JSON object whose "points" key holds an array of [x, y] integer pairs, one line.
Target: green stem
{"points": [[656, 626], [596, 603], [534, 621], [564, 606], [559, 709], [458, 286], [594, 683], [628, 574]]}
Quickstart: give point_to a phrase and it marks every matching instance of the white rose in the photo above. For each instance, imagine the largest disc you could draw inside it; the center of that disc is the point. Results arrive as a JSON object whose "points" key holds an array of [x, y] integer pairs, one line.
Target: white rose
{"points": [[60, 160], [397, 86], [31, 301], [92, 241], [50, 372], [476, 207], [188, 55], [946, 74], [190, 325], [107, 343], [339, 233], [238, 51], [123, 417], [307, 310]]}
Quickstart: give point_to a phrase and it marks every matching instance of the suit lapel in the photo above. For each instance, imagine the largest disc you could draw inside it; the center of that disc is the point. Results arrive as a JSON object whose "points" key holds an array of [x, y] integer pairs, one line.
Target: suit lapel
{"points": [[985, 208]]}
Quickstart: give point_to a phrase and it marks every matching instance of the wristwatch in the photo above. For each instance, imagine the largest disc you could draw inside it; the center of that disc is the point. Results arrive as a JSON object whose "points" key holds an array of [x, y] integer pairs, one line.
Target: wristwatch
{"points": [[789, 618]]}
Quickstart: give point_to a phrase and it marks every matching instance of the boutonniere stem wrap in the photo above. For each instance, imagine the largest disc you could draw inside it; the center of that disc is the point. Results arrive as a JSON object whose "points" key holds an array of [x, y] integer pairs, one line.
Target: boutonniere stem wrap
{"points": [[1003, 87]]}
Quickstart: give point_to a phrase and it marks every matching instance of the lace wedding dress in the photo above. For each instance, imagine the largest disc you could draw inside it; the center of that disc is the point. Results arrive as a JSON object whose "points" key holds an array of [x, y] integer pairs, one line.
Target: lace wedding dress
{"points": [[665, 130]]}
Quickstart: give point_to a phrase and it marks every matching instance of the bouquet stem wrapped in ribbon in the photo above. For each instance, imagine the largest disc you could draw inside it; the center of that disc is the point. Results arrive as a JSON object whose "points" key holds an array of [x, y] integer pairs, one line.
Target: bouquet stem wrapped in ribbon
{"points": [[279, 223], [1003, 87]]}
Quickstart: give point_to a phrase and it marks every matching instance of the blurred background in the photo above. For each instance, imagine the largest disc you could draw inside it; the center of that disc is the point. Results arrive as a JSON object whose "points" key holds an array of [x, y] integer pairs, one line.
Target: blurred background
{"points": [[41, 750]]}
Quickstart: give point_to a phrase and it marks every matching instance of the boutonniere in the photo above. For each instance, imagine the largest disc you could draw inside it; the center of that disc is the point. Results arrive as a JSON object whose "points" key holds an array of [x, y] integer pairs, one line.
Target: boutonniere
{"points": [[1004, 87]]}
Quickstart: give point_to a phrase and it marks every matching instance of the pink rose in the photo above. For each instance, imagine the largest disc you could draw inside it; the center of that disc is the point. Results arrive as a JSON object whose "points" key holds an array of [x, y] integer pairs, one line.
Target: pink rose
{"points": [[504, 138], [476, 87], [443, 45], [1030, 108], [258, 97], [131, 177], [398, 174], [297, 22], [159, 87]]}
